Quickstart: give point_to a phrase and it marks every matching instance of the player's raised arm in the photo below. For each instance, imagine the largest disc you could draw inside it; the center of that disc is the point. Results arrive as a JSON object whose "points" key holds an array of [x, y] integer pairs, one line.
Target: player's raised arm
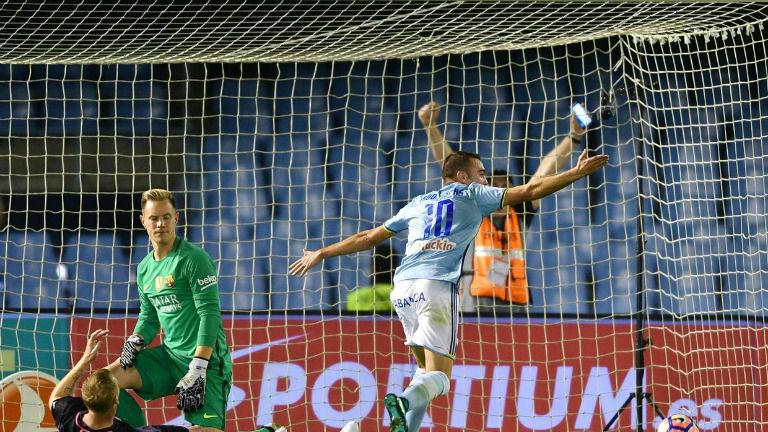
{"points": [[355, 243], [66, 387], [429, 115], [556, 158], [539, 187]]}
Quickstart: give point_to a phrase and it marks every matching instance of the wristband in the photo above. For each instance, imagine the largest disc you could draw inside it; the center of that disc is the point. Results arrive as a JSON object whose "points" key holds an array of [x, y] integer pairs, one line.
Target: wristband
{"points": [[198, 363]]}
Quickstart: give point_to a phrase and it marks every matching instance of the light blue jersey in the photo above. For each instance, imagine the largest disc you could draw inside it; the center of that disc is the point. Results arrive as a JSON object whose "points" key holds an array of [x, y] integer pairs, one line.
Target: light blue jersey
{"points": [[441, 225]]}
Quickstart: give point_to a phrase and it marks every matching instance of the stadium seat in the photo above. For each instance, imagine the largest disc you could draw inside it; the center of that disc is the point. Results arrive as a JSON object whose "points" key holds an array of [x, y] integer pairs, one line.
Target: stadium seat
{"points": [[565, 290], [251, 293], [326, 231], [557, 283], [688, 279], [31, 282], [322, 204], [615, 287], [233, 190], [587, 60], [347, 273], [291, 292], [242, 277], [135, 108], [16, 111], [534, 260], [99, 271], [744, 294], [358, 208], [414, 83], [744, 279], [415, 171], [71, 108], [241, 106]]}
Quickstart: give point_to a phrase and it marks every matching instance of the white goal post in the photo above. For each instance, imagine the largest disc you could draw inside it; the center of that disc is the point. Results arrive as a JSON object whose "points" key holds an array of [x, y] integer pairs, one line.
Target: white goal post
{"points": [[283, 126]]}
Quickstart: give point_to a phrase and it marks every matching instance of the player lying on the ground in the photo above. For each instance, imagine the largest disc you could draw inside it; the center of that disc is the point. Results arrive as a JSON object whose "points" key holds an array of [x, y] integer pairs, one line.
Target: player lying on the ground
{"points": [[96, 409]]}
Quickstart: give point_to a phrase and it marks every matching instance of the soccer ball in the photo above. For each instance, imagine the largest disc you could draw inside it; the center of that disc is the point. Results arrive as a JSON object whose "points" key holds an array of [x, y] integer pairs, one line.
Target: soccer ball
{"points": [[677, 423]]}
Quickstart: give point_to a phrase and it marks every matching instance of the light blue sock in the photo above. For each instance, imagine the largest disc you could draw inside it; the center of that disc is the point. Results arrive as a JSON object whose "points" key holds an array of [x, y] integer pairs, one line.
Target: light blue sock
{"points": [[423, 388], [415, 415]]}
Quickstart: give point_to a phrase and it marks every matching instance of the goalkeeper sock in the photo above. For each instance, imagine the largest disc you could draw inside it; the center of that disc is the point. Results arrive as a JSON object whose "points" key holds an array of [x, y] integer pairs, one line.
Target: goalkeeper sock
{"points": [[425, 387], [415, 415], [129, 410]]}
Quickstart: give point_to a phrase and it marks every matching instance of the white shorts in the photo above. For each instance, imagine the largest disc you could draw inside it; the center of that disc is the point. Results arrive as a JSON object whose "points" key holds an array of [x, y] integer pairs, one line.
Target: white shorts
{"points": [[429, 312]]}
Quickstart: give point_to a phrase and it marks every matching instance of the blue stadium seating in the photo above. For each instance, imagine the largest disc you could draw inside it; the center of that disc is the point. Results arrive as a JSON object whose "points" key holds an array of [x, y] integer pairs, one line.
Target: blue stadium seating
{"points": [[744, 279], [241, 106], [31, 281], [291, 292], [319, 151], [587, 64], [415, 170], [242, 280], [322, 204], [557, 284], [301, 98], [326, 231], [688, 278], [125, 72], [135, 108], [616, 283], [16, 111], [414, 83], [347, 273], [564, 290], [71, 108], [99, 271]]}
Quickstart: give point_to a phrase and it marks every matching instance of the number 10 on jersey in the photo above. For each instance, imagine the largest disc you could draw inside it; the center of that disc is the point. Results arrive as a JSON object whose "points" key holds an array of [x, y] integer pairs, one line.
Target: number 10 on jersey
{"points": [[439, 219]]}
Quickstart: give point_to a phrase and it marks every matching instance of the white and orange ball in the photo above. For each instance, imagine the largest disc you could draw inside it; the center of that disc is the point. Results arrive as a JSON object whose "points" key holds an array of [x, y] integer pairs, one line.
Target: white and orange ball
{"points": [[678, 423]]}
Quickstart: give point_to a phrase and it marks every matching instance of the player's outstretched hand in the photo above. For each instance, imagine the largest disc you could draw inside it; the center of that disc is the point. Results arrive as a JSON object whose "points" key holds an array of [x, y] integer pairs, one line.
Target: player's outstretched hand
{"points": [[190, 390], [588, 164], [301, 266], [429, 114], [131, 348], [92, 347]]}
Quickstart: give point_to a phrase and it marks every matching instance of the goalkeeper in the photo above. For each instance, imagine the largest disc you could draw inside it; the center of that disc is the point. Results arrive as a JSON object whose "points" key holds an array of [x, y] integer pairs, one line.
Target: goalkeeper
{"points": [[179, 292]]}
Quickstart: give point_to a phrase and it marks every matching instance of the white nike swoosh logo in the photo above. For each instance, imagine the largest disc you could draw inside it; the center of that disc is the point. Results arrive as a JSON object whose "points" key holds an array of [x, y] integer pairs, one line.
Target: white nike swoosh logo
{"points": [[242, 352]]}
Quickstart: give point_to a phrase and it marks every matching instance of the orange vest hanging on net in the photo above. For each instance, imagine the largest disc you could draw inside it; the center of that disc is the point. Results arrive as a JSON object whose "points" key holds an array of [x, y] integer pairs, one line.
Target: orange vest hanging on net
{"points": [[499, 270]]}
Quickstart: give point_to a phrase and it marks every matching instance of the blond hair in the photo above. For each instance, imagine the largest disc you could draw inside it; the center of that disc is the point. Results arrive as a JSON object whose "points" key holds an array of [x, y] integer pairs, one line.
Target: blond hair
{"points": [[100, 391], [158, 195]]}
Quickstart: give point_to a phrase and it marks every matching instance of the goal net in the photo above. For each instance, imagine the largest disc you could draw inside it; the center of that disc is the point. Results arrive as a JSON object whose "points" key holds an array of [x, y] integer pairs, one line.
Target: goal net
{"points": [[284, 127]]}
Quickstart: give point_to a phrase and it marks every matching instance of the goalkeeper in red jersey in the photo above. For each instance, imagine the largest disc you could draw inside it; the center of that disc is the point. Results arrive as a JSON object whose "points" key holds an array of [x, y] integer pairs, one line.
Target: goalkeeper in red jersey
{"points": [[179, 292]]}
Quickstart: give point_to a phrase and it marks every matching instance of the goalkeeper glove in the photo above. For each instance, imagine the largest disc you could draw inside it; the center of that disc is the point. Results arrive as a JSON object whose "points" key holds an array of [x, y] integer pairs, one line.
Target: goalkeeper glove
{"points": [[191, 388], [131, 348]]}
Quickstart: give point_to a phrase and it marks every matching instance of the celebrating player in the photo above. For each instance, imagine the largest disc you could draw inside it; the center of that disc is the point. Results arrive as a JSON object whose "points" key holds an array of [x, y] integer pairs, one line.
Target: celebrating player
{"points": [[495, 273], [179, 292], [441, 225], [95, 410]]}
